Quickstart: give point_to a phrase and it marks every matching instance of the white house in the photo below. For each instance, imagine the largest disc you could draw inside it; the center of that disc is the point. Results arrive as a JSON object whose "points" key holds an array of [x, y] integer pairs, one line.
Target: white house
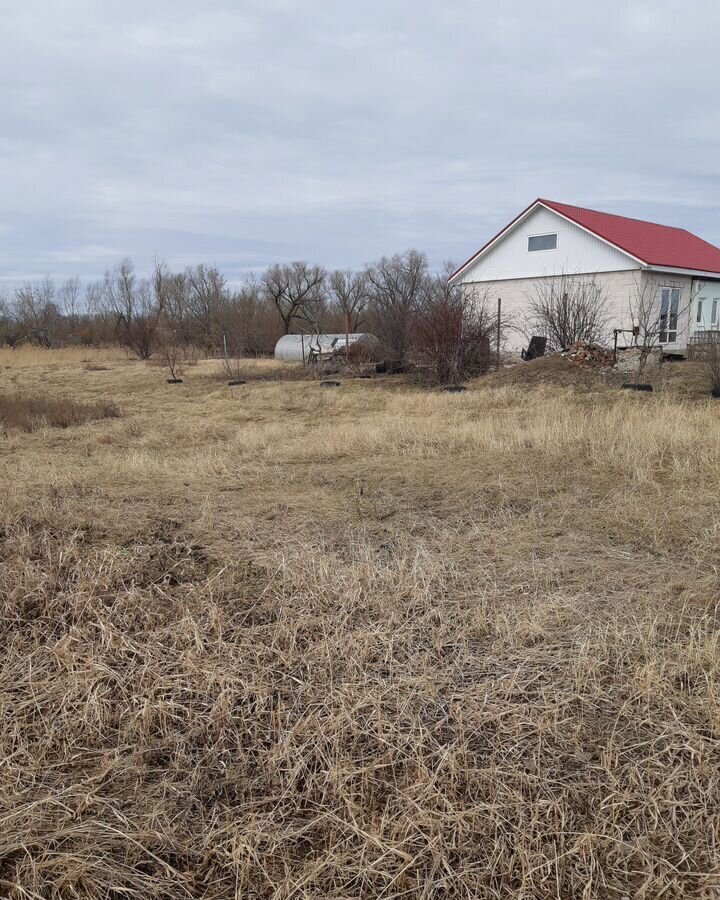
{"points": [[627, 258]]}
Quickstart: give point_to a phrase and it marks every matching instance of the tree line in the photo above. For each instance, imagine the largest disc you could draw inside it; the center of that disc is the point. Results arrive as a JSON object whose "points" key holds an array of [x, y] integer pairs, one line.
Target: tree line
{"points": [[399, 299]]}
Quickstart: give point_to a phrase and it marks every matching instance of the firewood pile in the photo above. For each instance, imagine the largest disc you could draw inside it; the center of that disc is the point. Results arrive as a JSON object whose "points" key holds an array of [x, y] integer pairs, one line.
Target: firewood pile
{"points": [[583, 353]]}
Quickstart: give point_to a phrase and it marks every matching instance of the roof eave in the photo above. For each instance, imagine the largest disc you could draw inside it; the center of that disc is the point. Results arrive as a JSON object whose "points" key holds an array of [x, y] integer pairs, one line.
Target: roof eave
{"points": [[678, 270]]}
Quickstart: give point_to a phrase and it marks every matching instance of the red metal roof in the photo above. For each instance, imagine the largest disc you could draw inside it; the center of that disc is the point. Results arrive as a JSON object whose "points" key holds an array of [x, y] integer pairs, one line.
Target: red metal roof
{"points": [[652, 244], [656, 245]]}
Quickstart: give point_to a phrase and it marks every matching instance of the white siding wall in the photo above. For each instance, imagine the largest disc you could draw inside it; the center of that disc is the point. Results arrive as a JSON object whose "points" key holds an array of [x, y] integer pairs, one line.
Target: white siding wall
{"points": [[516, 293], [577, 251], [621, 289], [707, 291]]}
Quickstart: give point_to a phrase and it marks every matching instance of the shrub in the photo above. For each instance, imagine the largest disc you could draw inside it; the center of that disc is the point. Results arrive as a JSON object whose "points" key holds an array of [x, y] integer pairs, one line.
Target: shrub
{"points": [[29, 412], [453, 332], [569, 308], [712, 363]]}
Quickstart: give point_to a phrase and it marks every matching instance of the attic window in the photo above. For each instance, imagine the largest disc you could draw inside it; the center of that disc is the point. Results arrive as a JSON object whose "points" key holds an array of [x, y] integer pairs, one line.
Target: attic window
{"points": [[542, 242]]}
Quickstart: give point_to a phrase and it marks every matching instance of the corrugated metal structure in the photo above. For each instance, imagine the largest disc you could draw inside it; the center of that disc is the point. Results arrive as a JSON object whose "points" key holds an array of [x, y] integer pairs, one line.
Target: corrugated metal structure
{"points": [[304, 347]]}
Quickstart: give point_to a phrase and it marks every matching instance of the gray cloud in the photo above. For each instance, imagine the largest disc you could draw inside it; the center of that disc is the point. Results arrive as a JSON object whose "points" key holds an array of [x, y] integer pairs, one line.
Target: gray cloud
{"points": [[257, 131]]}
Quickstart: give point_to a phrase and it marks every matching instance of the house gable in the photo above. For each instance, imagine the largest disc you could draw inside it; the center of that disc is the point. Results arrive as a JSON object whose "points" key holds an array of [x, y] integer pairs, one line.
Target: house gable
{"points": [[577, 251]]}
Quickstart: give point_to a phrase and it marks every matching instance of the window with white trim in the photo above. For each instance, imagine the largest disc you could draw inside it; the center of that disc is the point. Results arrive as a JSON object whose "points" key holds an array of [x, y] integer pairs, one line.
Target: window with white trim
{"points": [[542, 242], [669, 308], [707, 313]]}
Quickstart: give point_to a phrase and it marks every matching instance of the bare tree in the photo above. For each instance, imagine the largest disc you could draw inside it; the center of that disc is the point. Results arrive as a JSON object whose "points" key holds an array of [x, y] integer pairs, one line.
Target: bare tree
{"points": [[172, 352], [454, 329], [12, 331], [94, 298], [5, 312], [119, 292], [349, 293], [142, 335], [297, 291], [97, 325], [569, 308], [36, 309], [250, 325], [175, 352], [657, 314], [136, 307], [207, 299], [69, 301], [397, 287], [177, 308]]}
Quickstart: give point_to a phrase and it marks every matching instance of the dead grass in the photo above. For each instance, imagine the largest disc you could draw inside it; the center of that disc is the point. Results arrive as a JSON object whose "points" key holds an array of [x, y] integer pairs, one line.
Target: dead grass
{"points": [[261, 370], [679, 379], [27, 355], [30, 412], [274, 641]]}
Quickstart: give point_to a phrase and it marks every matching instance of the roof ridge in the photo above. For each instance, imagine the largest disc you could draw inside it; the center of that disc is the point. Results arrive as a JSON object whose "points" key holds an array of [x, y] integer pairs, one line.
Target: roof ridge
{"points": [[602, 212]]}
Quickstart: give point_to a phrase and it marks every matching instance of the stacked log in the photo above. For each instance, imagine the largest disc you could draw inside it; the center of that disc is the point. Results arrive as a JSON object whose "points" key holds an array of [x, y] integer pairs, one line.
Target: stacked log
{"points": [[583, 353]]}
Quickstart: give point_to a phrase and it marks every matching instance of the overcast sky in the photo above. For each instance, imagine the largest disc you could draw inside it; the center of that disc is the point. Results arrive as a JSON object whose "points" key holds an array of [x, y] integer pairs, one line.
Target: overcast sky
{"points": [[256, 131]]}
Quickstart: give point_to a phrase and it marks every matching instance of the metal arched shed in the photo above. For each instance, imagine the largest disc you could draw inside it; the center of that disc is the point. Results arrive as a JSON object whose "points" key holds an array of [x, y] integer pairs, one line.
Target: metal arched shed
{"points": [[301, 347]]}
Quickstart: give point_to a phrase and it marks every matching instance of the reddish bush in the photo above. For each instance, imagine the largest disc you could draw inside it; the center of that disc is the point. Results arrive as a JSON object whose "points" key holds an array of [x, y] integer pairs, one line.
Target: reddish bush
{"points": [[453, 332]]}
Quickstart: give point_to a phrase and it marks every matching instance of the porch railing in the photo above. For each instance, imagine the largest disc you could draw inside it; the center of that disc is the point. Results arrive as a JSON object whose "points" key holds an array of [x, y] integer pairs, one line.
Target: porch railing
{"points": [[702, 342]]}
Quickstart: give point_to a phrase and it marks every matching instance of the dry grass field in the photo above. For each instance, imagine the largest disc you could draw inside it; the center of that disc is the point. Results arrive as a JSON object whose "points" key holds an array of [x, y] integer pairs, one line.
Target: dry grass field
{"points": [[280, 641]]}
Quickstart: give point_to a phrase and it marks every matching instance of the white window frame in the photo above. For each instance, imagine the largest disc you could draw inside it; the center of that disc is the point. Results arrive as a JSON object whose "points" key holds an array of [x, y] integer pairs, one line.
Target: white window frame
{"points": [[544, 234], [706, 305], [671, 334]]}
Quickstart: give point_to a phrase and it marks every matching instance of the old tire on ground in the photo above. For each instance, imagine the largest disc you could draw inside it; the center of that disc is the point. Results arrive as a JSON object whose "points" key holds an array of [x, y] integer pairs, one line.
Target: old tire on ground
{"points": [[174, 381], [236, 381], [637, 387]]}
